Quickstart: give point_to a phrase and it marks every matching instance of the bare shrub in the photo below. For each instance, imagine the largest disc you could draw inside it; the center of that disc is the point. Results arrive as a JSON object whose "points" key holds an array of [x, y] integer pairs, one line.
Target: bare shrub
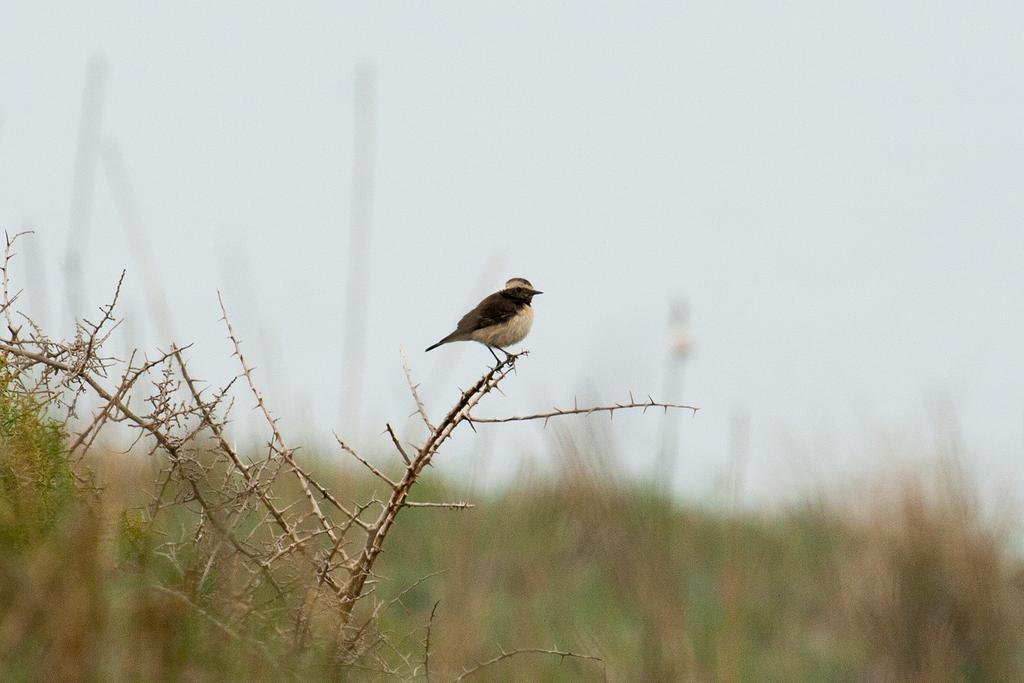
{"points": [[259, 549]]}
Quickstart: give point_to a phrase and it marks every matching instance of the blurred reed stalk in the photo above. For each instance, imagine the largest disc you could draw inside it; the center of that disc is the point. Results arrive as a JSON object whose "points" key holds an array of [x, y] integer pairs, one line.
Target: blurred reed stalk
{"points": [[739, 455], [84, 183], [680, 345], [35, 273], [127, 204], [353, 355]]}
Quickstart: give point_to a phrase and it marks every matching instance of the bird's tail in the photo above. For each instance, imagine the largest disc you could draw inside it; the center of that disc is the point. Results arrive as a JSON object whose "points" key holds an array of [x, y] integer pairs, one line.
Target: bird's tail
{"points": [[449, 338]]}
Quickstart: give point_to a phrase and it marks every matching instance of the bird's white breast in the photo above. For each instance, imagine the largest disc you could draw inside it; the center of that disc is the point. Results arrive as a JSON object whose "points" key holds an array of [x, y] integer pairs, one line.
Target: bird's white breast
{"points": [[507, 333]]}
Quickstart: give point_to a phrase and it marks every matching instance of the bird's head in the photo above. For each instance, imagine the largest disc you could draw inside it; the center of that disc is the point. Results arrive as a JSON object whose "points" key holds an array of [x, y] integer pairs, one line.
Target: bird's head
{"points": [[520, 288]]}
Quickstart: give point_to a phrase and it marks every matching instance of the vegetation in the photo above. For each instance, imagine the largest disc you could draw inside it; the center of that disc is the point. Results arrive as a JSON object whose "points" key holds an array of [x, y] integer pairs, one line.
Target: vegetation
{"points": [[918, 587], [35, 477], [184, 558]]}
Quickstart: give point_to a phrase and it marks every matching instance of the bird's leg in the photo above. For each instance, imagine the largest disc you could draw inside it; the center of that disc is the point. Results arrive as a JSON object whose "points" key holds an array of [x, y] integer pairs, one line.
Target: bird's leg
{"points": [[491, 349]]}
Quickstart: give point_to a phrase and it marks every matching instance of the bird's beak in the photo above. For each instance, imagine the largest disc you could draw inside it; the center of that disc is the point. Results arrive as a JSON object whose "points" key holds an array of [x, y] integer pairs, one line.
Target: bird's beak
{"points": [[534, 292]]}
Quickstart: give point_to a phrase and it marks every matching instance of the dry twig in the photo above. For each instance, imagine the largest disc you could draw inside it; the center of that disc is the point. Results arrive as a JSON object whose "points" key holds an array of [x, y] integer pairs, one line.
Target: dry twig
{"points": [[588, 410], [506, 654]]}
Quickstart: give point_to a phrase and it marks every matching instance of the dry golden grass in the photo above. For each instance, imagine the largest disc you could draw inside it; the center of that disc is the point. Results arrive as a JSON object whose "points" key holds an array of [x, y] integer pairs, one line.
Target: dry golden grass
{"points": [[934, 592]]}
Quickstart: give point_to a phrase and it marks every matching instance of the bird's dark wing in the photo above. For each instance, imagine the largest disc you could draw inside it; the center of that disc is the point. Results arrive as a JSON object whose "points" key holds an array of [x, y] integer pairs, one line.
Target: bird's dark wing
{"points": [[497, 308]]}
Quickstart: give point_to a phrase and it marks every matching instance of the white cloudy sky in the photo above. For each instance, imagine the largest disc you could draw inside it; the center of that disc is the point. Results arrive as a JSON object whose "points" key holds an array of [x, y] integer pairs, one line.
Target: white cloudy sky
{"points": [[836, 188]]}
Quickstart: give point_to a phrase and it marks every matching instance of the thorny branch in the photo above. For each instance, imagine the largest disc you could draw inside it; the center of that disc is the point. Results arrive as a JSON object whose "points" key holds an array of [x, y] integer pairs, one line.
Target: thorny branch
{"points": [[506, 654], [399, 496], [426, 642], [301, 549], [5, 275], [576, 410]]}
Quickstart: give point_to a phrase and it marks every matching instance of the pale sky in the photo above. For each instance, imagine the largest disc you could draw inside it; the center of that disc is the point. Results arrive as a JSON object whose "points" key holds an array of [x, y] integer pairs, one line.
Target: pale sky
{"points": [[836, 188]]}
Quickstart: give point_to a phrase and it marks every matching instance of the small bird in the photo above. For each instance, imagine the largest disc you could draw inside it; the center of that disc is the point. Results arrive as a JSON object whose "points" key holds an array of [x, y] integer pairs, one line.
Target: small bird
{"points": [[502, 319]]}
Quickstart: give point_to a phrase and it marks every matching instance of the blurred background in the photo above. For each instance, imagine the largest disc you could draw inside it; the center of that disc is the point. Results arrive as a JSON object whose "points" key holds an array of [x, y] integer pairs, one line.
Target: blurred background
{"points": [[806, 219], [831, 196]]}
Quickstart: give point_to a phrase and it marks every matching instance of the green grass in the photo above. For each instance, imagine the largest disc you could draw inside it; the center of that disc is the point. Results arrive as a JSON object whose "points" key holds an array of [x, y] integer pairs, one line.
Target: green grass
{"points": [[662, 591], [36, 483]]}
